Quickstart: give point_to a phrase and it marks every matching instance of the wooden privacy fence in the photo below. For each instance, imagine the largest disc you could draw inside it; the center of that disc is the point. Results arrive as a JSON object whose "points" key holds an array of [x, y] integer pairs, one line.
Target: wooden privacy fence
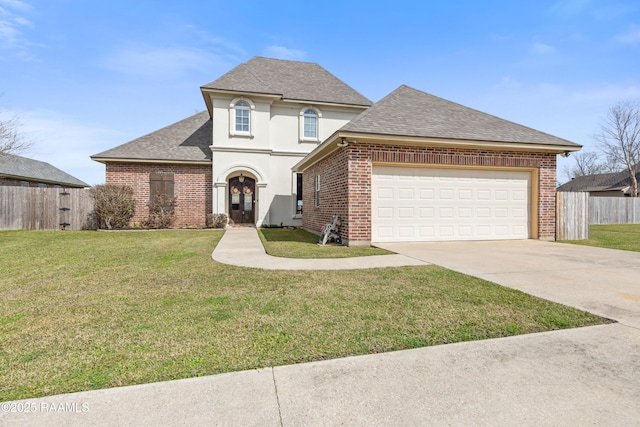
{"points": [[576, 211], [572, 216], [27, 208], [614, 210]]}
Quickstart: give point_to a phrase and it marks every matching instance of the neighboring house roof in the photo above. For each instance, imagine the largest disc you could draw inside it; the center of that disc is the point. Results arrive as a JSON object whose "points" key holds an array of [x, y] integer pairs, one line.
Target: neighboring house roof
{"points": [[185, 141], [24, 169], [290, 80], [411, 112], [615, 181]]}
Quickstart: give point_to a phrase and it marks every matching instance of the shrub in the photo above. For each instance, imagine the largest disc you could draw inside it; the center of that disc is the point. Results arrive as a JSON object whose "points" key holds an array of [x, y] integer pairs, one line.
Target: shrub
{"points": [[113, 205], [216, 220], [161, 211]]}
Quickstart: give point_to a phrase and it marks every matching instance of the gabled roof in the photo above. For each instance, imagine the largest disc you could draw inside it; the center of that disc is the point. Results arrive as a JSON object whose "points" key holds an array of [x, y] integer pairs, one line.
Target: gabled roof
{"points": [[185, 141], [24, 169], [410, 116], [615, 181], [411, 112], [290, 80]]}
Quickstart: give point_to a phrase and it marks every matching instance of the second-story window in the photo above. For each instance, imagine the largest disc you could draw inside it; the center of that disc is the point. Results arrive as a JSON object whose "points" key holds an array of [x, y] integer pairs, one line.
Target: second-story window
{"points": [[310, 124], [241, 117]]}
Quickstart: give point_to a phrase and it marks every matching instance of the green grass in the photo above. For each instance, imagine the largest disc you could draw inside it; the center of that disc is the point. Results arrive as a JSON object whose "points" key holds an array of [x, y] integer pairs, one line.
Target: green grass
{"points": [[88, 310], [303, 244], [616, 236]]}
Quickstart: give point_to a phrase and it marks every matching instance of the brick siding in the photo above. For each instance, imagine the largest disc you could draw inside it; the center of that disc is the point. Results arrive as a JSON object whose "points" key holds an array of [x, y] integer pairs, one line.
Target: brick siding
{"points": [[192, 189], [345, 182]]}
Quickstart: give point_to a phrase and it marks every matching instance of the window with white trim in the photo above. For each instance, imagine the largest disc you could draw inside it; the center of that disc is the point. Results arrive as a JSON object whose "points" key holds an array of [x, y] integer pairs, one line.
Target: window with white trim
{"points": [[317, 190], [241, 117], [310, 124]]}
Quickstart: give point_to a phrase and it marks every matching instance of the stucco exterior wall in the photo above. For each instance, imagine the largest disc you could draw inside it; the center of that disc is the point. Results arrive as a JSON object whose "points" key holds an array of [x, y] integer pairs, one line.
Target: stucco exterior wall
{"points": [[192, 189], [346, 174], [269, 154]]}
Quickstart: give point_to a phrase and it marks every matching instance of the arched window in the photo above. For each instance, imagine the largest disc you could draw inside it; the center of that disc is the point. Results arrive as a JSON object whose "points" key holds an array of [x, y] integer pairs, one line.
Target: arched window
{"points": [[241, 117], [310, 124]]}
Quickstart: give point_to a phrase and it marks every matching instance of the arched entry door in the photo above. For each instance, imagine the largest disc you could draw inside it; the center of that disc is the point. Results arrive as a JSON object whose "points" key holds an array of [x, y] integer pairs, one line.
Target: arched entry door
{"points": [[242, 200]]}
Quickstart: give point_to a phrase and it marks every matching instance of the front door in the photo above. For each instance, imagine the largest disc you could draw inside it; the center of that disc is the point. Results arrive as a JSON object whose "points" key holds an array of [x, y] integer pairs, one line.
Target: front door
{"points": [[242, 200]]}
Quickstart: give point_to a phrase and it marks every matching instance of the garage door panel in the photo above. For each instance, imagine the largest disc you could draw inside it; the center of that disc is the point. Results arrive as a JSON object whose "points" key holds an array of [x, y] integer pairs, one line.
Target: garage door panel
{"points": [[427, 213], [429, 204], [385, 193], [385, 213]]}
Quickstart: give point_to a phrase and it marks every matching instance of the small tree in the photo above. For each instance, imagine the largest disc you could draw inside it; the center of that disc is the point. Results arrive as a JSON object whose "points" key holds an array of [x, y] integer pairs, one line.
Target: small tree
{"points": [[113, 205], [11, 142], [619, 139], [584, 163]]}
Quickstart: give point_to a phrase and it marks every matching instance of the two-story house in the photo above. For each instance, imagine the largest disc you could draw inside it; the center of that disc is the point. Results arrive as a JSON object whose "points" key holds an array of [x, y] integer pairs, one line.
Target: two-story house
{"points": [[286, 142], [262, 117]]}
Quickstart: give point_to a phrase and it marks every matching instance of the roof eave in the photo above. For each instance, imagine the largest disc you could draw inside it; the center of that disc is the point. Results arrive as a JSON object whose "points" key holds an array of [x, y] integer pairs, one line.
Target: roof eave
{"points": [[273, 97], [330, 145], [82, 184], [105, 160]]}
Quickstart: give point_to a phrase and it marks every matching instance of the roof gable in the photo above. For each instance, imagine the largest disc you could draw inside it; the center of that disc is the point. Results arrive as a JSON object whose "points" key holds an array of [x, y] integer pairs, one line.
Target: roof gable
{"points": [[34, 170], [292, 80], [185, 141], [413, 113]]}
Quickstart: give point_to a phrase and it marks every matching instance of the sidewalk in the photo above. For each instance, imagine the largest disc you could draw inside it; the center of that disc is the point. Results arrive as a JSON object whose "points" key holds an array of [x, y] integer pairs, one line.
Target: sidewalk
{"points": [[242, 247]]}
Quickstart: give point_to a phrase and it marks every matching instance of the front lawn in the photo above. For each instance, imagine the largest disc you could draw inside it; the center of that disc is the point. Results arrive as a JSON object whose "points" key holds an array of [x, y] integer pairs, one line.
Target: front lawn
{"points": [[303, 244], [88, 310], [614, 236]]}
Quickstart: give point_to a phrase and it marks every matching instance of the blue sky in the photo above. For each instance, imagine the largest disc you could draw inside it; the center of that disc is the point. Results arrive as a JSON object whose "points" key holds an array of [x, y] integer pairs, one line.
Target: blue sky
{"points": [[88, 75]]}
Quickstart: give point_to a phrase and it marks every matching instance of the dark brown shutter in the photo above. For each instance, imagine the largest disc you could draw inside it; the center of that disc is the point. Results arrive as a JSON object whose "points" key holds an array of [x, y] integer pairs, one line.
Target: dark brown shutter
{"points": [[160, 183]]}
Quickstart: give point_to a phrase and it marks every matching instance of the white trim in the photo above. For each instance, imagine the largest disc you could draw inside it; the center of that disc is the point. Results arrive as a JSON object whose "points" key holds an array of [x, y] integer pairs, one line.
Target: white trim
{"points": [[224, 175], [301, 124], [232, 117]]}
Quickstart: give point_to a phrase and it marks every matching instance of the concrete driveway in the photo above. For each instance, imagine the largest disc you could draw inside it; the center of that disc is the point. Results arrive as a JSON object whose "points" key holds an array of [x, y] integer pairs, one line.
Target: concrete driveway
{"points": [[602, 281]]}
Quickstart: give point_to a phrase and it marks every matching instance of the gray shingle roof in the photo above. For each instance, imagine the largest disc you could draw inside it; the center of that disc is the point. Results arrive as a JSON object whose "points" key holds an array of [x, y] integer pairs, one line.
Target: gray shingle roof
{"points": [[601, 182], [413, 113], [292, 80], [34, 170], [187, 140]]}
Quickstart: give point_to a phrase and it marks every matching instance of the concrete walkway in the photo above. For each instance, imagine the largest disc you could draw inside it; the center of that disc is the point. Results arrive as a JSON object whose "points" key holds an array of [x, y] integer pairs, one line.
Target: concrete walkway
{"points": [[585, 376], [242, 247]]}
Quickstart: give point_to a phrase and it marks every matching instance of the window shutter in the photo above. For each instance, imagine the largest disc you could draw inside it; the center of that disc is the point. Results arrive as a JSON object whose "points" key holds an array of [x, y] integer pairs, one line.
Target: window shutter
{"points": [[161, 183]]}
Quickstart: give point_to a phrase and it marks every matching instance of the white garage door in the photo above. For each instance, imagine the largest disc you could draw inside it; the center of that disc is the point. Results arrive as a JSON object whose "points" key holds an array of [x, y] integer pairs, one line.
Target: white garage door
{"points": [[430, 204]]}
